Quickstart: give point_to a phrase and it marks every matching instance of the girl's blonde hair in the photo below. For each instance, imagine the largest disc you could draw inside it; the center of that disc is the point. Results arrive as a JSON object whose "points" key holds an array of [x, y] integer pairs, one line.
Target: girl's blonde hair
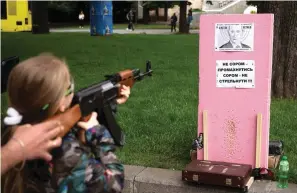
{"points": [[35, 88]]}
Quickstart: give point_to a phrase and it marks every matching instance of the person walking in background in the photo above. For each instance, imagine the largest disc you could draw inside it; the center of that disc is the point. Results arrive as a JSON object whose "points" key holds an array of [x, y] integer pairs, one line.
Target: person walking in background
{"points": [[129, 17], [81, 18], [190, 17], [173, 22]]}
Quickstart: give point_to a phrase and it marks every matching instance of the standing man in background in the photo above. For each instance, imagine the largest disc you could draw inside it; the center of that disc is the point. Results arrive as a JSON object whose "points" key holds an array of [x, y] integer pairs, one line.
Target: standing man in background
{"points": [[190, 17], [81, 18], [129, 17], [173, 20]]}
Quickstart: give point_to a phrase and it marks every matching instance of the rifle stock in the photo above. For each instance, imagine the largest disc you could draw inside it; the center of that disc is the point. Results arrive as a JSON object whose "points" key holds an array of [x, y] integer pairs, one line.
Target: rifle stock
{"points": [[99, 97], [68, 119]]}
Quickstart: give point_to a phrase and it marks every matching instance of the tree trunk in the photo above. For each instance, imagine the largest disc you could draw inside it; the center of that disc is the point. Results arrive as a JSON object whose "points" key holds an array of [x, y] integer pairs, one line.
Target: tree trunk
{"points": [[284, 69], [40, 17], [146, 15], [183, 27], [157, 14], [166, 11]]}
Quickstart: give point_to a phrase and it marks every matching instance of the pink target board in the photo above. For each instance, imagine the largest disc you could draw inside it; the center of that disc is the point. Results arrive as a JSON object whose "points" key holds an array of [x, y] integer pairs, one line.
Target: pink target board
{"points": [[235, 66]]}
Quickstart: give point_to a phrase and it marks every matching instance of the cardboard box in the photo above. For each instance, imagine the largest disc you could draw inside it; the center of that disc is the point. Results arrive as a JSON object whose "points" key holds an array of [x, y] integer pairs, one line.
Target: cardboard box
{"points": [[273, 161], [193, 154]]}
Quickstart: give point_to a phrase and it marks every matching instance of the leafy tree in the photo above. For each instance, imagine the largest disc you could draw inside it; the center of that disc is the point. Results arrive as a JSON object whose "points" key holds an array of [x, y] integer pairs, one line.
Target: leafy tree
{"points": [[62, 11], [183, 17], [63, 6], [209, 2], [284, 69], [151, 5], [183, 26], [39, 17]]}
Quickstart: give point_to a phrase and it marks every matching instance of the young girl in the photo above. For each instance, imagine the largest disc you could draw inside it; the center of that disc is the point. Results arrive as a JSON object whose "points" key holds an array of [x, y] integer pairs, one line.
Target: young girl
{"points": [[39, 88]]}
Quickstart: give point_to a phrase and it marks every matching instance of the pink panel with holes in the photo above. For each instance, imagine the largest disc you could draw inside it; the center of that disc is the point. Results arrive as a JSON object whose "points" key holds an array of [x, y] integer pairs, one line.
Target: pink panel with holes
{"points": [[232, 112]]}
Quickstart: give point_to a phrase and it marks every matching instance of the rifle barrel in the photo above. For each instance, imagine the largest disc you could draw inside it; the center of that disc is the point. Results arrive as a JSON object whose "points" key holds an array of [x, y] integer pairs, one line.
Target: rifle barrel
{"points": [[139, 76]]}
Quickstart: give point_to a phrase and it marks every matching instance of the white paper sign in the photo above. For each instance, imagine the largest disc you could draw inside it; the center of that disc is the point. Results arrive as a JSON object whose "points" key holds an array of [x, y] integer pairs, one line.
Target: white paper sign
{"points": [[235, 73], [234, 37]]}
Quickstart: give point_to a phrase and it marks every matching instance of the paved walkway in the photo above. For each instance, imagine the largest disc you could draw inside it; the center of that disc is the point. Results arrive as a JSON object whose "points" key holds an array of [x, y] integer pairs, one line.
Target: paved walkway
{"points": [[140, 179], [121, 31]]}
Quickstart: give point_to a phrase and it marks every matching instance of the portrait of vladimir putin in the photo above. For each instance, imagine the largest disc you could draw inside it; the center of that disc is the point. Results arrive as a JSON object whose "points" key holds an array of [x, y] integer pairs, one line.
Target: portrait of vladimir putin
{"points": [[235, 33]]}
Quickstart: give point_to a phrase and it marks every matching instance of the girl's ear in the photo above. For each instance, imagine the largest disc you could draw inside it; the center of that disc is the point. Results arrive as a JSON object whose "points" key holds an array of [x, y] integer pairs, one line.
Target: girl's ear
{"points": [[62, 106]]}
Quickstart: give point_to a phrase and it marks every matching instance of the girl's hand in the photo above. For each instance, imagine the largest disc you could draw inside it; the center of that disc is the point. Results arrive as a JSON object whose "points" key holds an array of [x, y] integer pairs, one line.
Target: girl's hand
{"points": [[90, 123], [125, 92]]}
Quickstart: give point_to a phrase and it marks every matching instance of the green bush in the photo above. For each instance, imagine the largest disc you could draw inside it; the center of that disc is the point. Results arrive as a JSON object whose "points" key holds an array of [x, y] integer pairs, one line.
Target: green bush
{"points": [[196, 10]]}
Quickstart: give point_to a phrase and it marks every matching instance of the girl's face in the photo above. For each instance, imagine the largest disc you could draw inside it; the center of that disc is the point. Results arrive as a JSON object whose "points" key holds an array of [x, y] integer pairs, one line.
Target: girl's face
{"points": [[68, 96]]}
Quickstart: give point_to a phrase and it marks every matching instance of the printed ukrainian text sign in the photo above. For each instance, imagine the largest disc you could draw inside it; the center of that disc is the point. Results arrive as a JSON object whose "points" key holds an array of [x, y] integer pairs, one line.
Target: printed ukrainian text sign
{"points": [[234, 37], [235, 73]]}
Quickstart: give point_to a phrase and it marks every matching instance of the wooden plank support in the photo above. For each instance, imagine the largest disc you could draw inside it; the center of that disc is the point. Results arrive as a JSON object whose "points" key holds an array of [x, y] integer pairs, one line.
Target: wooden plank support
{"points": [[259, 140], [205, 135]]}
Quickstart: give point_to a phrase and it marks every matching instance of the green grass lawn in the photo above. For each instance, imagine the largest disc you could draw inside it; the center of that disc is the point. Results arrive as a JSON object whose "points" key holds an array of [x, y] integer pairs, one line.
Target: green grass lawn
{"points": [[160, 118]]}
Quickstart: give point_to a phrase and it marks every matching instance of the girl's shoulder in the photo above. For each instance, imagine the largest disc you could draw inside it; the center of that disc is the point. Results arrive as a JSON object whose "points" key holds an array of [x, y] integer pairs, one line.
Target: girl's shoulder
{"points": [[71, 145], [70, 154]]}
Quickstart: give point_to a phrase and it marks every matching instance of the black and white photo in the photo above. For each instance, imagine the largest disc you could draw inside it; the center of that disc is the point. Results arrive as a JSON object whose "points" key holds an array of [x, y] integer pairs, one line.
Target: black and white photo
{"points": [[234, 36]]}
